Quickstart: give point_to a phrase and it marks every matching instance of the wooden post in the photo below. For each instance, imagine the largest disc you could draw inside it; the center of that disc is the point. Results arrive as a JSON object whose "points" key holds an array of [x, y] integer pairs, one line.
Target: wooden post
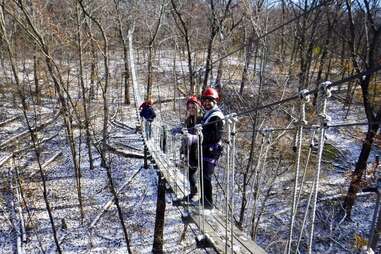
{"points": [[145, 156], [160, 213], [164, 141]]}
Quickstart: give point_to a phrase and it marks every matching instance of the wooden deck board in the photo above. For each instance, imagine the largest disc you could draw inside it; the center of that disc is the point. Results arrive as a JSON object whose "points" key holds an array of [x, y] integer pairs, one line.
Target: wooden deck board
{"points": [[215, 230]]}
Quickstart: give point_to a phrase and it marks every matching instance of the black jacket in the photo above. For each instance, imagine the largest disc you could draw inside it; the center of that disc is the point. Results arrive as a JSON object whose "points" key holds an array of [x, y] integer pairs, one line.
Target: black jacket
{"points": [[148, 113], [212, 130], [190, 122]]}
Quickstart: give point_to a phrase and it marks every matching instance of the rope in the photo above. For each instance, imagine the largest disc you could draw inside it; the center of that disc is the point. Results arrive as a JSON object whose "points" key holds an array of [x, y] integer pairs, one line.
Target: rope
{"points": [[233, 134], [185, 134], [313, 127], [258, 177], [201, 178], [227, 189], [302, 122], [301, 188], [323, 94]]}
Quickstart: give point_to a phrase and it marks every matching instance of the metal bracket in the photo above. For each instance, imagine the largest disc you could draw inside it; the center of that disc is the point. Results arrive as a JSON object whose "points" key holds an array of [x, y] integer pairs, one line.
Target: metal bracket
{"points": [[304, 96], [325, 90]]}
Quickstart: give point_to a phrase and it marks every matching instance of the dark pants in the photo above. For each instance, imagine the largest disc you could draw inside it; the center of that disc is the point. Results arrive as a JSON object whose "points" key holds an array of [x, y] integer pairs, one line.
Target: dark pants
{"points": [[192, 181], [207, 188], [148, 129]]}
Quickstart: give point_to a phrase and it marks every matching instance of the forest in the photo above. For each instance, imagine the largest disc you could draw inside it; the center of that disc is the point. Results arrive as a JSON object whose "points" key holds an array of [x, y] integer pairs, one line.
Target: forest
{"points": [[299, 83]]}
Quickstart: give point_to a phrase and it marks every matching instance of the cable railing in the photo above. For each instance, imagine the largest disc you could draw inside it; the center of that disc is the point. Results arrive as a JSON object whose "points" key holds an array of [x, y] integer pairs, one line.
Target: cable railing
{"points": [[219, 229]]}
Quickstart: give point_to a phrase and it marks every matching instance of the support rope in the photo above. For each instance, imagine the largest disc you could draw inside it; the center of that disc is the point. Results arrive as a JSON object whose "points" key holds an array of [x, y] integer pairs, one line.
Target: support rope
{"points": [[324, 93], [302, 122]]}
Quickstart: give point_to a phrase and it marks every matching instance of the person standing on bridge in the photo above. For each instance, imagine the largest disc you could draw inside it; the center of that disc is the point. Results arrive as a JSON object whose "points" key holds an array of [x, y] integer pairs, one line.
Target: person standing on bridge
{"points": [[212, 130], [147, 112], [193, 117]]}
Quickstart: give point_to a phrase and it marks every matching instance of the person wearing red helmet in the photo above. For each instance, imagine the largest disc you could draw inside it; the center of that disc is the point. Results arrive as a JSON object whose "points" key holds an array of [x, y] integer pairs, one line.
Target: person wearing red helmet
{"points": [[194, 112], [147, 112], [212, 130], [193, 117]]}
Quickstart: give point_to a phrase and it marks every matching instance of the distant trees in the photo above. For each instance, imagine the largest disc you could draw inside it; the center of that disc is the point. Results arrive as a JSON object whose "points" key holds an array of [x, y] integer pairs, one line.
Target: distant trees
{"points": [[70, 46]]}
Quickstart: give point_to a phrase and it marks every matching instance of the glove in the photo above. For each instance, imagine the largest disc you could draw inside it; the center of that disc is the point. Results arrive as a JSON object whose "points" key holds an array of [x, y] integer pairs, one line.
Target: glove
{"points": [[191, 139], [175, 131]]}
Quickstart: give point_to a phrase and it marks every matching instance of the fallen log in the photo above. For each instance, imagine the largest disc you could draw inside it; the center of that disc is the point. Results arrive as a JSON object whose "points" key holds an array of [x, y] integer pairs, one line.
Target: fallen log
{"points": [[21, 135], [19, 151], [111, 201], [124, 153], [47, 163], [5, 159], [9, 121]]}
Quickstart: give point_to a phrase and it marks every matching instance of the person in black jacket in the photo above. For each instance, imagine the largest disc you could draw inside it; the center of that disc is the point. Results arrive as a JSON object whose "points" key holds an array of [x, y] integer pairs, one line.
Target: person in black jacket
{"points": [[193, 118], [212, 130], [147, 112]]}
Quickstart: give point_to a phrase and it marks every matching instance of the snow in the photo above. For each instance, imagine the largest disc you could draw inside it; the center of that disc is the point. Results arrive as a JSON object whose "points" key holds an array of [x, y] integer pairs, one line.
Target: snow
{"points": [[138, 199]]}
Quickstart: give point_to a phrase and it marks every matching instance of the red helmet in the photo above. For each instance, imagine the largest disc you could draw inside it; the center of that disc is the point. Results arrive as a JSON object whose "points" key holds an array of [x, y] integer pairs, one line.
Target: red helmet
{"points": [[193, 99], [210, 93]]}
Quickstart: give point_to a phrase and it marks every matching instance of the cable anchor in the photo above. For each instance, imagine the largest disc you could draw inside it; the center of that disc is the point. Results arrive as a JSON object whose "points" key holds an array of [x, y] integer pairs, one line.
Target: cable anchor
{"points": [[305, 98], [324, 93]]}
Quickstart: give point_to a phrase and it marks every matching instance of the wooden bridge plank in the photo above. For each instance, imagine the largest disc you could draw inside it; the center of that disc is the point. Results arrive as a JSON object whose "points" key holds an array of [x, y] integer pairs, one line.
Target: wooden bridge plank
{"points": [[215, 230]]}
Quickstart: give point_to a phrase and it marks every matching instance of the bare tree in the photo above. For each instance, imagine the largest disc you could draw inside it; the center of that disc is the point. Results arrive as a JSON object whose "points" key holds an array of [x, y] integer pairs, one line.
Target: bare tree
{"points": [[105, 53], [183, 26], [31, 131], [151, 44], [214, 26], [364, 59], [123, 40], [83, 87]]}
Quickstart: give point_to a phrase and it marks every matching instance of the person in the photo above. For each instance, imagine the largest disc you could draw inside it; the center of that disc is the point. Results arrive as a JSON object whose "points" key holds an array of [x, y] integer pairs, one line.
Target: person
{"points": [[212, 130], [147, 112], [194, 110]]}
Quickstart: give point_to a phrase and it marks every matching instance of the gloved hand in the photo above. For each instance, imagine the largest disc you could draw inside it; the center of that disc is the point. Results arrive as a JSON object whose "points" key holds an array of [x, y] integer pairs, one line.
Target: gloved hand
{"points": [[191, 139], [175, 131]]}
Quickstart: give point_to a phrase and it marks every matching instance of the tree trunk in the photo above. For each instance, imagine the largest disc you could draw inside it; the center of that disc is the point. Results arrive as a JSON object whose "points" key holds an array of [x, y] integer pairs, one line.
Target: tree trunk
{"points": [[37, 92], [117, 204], [31, 132], [83, 90], [149, 69], [160, 212], [208, 62], [248, 56], [356, 183]]}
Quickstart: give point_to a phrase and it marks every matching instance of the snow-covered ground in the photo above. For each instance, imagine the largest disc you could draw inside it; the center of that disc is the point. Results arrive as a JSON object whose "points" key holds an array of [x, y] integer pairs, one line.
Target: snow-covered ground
{"points": [[138, 198]]}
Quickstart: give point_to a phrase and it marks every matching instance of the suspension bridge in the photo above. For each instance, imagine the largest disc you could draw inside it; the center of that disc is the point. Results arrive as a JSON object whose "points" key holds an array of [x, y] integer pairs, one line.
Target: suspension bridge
{"points": [[219, 228]]}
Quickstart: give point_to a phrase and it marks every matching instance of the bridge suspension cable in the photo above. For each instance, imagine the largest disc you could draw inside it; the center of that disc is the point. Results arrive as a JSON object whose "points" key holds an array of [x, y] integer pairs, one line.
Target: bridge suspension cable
{"points": [[165, 155], [328, 85]]}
